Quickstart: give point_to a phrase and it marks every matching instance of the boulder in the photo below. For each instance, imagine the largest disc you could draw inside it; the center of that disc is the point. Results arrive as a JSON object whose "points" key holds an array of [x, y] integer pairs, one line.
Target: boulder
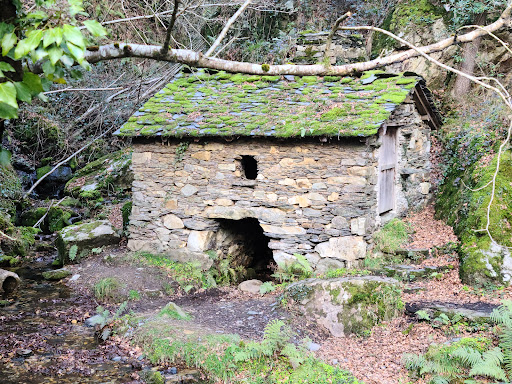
{"points": [[102, 175], [85, 237], [56, 274], [347, 305], [250, 286]]}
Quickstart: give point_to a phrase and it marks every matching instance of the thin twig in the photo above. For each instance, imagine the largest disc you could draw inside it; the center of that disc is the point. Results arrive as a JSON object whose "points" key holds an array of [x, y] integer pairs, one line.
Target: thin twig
{"points": [[7, 236], [334, 29], [65, 161], [165, 47], [226, 28], [81, 90], [46, 213]]}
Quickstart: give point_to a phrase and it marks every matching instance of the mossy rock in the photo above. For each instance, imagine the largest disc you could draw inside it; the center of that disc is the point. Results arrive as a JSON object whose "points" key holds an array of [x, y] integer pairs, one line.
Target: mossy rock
{"points": [[111, 173], [56, 218], [57, 274], [23, 241], [347, 305], [75, 242]]}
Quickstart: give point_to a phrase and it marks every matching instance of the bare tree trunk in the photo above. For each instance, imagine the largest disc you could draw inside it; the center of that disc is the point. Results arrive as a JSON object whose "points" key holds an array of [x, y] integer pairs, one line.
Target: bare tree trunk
{"points": [[462, 84], [9, 281]]}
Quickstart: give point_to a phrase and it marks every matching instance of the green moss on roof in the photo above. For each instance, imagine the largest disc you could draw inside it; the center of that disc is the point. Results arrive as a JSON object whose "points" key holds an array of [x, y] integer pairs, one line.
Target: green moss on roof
{"points": [[225, 104]]}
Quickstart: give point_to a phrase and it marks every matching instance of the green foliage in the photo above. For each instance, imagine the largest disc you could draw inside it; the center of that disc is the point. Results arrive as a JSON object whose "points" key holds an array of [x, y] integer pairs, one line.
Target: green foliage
{"points": [[187, 275], [469, 358], [267, 287], [104, 320], [73, 251], [180, 152], [126, 211], [393, 234], [297, 270], [48, 33], [175, 312], [463, 12], [107, 288], [342, 272], [133, 295]]}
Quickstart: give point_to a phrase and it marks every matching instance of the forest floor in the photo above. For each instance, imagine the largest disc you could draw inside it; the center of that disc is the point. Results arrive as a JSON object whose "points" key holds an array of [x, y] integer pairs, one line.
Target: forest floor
{"points": [[375, 358]]}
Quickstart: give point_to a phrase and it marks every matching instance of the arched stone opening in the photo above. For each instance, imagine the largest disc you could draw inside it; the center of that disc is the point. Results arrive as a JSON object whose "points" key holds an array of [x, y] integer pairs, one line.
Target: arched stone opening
{"points": [[244, 242]]}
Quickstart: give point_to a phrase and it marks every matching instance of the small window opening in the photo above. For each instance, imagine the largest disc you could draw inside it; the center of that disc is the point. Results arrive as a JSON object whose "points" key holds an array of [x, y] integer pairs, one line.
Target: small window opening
{"points": [[250, 167]]}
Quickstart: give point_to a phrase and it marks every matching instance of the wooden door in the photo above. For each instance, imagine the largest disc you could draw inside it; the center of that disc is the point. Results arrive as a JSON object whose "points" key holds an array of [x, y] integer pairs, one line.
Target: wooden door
{"points": [[387, 169]]}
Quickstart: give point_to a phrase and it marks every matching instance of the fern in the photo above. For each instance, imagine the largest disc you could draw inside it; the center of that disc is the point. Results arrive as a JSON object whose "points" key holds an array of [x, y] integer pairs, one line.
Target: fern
{"points": [[73, 250], [266, 287]]}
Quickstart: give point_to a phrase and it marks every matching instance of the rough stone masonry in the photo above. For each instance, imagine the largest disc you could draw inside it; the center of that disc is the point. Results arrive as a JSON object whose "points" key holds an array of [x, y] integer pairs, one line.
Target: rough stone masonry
{"points": [[317, 199]]}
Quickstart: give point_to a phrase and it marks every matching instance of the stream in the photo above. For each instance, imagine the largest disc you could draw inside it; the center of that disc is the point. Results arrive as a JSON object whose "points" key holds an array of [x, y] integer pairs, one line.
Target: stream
{"points": [[43, 338]]}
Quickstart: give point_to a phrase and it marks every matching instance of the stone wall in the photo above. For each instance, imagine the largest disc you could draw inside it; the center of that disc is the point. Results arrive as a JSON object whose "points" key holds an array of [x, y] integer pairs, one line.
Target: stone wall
{"points": [[314, 198]]}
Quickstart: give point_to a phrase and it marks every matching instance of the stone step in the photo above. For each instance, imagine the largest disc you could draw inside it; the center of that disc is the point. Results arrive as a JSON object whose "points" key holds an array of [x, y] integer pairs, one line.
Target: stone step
{"points": [[413, 272], [473, 312]]}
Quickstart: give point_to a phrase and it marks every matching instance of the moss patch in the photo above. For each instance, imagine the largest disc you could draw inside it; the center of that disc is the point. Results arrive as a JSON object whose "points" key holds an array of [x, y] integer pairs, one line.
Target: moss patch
{"points": [[262, 106]]}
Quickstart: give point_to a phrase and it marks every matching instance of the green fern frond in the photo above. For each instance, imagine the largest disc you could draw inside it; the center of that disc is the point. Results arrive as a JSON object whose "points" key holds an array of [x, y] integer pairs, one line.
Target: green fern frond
{"points": [[439, 380], [467, 356]]}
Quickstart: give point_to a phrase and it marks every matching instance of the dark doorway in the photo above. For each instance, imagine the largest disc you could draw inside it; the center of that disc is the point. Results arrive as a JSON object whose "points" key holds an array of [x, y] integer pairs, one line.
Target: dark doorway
{"points": [[243, 240], [250, 167]]}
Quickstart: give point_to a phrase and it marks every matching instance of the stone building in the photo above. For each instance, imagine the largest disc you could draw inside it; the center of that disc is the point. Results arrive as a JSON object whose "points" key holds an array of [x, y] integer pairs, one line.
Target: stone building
{"points": [[259, 168]]}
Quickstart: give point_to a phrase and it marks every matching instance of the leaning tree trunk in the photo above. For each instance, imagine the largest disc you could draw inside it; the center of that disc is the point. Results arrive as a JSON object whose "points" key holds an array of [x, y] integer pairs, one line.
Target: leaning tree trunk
{"points": [[9, 281], [462, 84]]}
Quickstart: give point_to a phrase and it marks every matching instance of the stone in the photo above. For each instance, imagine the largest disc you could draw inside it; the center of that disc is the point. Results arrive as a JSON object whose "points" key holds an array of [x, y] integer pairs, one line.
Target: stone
{"points": [[224, 202], [424, 188], [171, 204], [361, 171], [313, 347], [353, 180], [347, 305], [358, 226], [232, 213], [346, 248], [227, 167], [293, 230], [288, 182], [314, 196], [141, 158], [326, 264], [302, 201], [195, 224], [56, 274], [172, 222], [286, 162], [199, 241], [213, 147], [283, 259], [85, 236], [304, 183], [188, 190], [333, 196], [250, 286], [319, 186], [339, 222], [204, 155]]}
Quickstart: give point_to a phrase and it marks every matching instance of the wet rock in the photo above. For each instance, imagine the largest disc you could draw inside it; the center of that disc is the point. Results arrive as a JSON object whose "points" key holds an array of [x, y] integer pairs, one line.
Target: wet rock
{"points": [[100, 175], [347, 305], [250, 286], [85, 237], [54, 182], [57, 274], [23, 352]]}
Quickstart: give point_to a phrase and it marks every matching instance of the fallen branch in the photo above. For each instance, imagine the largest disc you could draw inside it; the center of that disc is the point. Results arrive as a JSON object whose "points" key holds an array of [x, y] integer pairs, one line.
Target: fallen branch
{"points": [[334, 29], [81, 90], [196, 59], [64, 162], [47, 211], [228, 25]]}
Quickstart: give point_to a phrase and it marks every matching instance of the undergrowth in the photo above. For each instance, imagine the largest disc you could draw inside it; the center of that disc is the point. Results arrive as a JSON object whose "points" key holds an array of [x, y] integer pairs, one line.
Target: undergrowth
{"points": [[469, 360], [227, 359]]}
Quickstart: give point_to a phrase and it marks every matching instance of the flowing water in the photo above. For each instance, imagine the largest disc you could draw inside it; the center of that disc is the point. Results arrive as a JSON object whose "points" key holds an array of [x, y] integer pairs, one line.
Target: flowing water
{"points": [[43, 339]]}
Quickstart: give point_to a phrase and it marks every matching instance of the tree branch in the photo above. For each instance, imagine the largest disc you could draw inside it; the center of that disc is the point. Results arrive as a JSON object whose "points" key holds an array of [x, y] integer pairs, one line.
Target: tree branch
{"points": [[7, 236], [226, 28], [196, 59], [165, 47], [335, 28]]}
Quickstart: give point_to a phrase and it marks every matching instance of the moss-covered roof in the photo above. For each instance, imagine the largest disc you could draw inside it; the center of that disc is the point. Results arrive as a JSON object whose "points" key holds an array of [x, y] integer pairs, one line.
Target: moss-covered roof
{"points": [[224, 104]]}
